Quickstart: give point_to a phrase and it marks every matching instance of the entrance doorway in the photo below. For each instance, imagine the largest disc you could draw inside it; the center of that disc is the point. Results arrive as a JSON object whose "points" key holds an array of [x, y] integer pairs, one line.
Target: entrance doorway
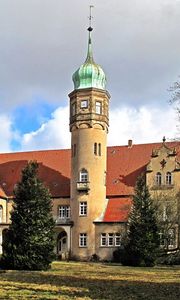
{"points": [[62, 249]]}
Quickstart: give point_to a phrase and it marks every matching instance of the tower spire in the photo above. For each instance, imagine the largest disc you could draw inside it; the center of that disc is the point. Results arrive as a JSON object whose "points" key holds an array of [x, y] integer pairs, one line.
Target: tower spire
{"points": [[89, 52], [89, 74]]}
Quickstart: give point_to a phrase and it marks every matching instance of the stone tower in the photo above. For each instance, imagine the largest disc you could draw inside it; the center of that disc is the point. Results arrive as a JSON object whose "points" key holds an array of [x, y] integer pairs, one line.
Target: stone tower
{"points": [[89, 121]]}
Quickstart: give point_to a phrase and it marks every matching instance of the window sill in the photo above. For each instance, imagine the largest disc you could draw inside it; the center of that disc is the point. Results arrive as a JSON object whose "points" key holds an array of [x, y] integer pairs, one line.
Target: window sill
{"points": [[162, 187]]}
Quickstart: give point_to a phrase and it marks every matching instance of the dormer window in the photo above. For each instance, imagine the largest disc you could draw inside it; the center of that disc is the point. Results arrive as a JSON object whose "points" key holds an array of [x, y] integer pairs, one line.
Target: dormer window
{"points": [[98, 107], [158, 178], [84, 103], [83, 175], [168, 178]]}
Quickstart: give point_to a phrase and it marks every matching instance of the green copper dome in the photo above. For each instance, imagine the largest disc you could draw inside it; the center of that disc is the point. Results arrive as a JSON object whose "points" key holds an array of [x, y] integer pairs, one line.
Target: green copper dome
{"points": [[89, 74]]}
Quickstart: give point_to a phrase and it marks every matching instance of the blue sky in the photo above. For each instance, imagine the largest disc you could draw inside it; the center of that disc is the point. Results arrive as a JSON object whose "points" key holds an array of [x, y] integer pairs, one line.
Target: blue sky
{"points": [[43, 42]]}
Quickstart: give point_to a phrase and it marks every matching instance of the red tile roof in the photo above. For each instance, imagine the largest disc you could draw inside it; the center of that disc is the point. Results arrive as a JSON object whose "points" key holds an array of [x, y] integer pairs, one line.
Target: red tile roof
{"points": [[117, 210], [2, 193], [54, 170], [123, 166]]}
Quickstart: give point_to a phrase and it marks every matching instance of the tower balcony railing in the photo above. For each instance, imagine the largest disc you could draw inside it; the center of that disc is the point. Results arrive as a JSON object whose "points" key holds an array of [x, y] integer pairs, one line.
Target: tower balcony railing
{"points": [[83, 186]]}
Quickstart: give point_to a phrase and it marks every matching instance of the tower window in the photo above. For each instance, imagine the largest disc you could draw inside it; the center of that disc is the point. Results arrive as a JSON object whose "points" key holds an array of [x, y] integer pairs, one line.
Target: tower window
{"points": [[83, 208], [83, 175], [84, 103], [83, 240], [95, 148], [74, 152], [168, 178], [158, 178], [73, 109], [99, 149], [98, 107]]}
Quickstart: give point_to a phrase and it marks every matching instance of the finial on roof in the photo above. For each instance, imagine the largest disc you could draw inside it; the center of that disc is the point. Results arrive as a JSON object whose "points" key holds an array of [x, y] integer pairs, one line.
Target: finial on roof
{"points": [[90, 17], [89, 52], [164, 139]]}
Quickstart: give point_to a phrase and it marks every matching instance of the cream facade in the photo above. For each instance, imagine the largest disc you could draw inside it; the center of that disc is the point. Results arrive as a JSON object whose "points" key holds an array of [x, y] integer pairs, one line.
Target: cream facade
{"points": [[88, 199]]}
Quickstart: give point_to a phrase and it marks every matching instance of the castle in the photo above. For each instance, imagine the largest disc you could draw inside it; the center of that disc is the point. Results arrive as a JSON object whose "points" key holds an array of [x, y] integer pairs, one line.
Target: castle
{"points": [[92, 184]]}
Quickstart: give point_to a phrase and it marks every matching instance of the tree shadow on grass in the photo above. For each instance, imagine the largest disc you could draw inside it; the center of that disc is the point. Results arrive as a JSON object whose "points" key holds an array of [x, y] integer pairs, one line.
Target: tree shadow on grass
{"points": [[76, 286]]}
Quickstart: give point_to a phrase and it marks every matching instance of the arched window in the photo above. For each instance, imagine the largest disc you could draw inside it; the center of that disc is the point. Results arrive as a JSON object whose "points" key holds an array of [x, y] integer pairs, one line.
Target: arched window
{"points": [[1, 213], [99, 149], [95, 148], [168, 178], [158, 178], [83, 175]]}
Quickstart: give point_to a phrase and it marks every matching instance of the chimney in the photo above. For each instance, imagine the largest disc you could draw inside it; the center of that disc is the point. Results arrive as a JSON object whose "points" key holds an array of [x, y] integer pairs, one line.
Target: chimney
{"points": [[130, 143]]}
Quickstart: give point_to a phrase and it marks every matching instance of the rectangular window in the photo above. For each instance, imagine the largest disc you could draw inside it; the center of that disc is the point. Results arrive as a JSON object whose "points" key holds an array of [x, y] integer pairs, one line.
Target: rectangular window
{"points": [[83, 240], [162, 239], [83, 175], [84, 103], [64, 212], [103, 239], [98, 107], [73, 109], [74, 154], [117, 239], [99, 149], [171, 237], [110, 239], [83, 208], [95, 148]]}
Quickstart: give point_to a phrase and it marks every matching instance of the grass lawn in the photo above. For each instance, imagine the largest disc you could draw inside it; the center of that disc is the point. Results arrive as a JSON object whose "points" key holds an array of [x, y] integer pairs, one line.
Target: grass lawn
{"points": [[75, 280]]}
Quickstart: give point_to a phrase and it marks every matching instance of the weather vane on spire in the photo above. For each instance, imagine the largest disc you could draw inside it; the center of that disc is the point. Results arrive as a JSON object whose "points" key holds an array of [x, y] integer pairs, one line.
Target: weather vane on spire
{"points": [[90, 17]]}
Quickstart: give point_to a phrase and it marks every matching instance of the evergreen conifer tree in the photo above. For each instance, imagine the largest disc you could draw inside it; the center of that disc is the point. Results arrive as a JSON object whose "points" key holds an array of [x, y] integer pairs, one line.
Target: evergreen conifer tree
{"points": [[29, 242], [142, 238]]}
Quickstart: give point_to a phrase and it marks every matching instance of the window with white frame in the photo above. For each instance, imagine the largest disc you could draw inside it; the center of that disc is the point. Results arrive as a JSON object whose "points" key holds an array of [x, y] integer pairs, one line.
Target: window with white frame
{"points": [[171, 237], [110, 239], [164, 212], [84, 103], [64, 212], [103, 239], [117, 239], [98, 107], [83, 208], [1, 213], [83, 240], [168, 178], [158, 178], [162, 239], [83, 175]]}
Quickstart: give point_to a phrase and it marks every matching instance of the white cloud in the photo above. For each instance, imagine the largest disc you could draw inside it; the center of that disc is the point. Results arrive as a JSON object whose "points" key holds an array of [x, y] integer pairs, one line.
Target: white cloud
{"points": [[53, 134], [143, 125], [6, 133]]}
